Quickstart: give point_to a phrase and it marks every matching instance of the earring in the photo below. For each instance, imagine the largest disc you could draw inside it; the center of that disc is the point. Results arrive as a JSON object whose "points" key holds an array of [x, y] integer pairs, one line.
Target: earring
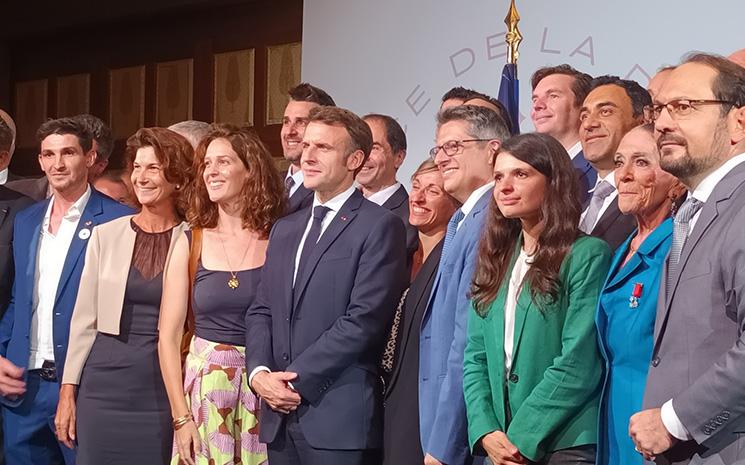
{"points": [[178, 187], [673, 207]]}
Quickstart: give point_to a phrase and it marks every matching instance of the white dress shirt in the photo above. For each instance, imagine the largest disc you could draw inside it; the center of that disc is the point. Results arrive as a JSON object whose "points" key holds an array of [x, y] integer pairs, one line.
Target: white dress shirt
{"points": [[522, 265], [50, 260], [334, 206], [3, 176], [472, 199], [611, 178], [297, 177], [384, 194], [702, 192], [574, 150]]}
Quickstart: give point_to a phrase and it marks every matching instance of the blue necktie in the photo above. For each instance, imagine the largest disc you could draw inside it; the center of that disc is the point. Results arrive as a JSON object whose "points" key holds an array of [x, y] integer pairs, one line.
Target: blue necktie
{"points": [[289, 184], [452, 229], [319, 213]]}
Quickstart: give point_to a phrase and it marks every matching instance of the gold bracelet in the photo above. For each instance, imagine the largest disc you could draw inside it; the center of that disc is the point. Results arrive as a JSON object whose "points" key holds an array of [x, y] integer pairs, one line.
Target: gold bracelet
{"points": [[181, 421]]}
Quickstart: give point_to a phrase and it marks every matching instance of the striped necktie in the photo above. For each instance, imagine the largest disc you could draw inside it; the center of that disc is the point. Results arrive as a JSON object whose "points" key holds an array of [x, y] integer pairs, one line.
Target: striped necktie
{"points": [[681, 230], [452, 229]]}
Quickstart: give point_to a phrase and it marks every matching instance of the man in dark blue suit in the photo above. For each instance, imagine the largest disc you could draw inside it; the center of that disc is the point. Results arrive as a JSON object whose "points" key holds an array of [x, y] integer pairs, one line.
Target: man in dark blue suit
{"points": [[303, 98], [49, 242], [377, 178], [558, 93], [330, 284]]}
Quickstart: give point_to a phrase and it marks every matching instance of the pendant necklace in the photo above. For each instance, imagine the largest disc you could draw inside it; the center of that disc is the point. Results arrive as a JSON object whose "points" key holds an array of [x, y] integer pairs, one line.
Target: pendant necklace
{"points": [[233, 282]]}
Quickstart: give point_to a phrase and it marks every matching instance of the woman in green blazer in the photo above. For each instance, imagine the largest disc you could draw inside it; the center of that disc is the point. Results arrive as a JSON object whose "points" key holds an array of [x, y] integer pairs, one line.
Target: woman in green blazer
{"points": [[532, 369]]}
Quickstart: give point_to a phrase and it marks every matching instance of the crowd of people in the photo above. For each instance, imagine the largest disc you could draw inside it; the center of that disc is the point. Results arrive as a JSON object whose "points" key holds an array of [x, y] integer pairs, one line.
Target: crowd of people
{"points": [[574, 295]]}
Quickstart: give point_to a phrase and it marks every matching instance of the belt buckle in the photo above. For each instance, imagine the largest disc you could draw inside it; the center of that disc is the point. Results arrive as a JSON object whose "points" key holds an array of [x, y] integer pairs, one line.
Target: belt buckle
{"points": [[48, 371]]}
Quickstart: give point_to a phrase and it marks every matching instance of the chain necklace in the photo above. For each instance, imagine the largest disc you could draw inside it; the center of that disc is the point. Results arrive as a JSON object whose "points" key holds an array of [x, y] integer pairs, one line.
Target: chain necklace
{"points": [[233, 282]]}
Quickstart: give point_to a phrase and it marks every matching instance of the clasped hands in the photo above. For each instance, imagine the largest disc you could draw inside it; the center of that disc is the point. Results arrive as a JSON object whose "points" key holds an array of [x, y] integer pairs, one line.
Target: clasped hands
{"points": [[500, 449], [274, 389], [649, 434]]}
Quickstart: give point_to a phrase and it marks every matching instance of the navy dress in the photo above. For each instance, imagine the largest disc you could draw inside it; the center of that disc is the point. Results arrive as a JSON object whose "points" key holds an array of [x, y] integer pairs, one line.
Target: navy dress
{"points": [[626, 336], [123, 414]]}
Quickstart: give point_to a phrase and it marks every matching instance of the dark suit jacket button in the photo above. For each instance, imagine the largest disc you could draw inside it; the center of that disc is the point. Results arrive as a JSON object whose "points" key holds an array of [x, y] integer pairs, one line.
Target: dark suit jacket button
{"points": [[655, 361], [285, 357], [514, 378]]}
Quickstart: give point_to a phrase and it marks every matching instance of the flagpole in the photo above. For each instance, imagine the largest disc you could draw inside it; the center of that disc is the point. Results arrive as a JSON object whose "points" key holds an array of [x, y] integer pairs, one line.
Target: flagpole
{"points": [[513, 36]]}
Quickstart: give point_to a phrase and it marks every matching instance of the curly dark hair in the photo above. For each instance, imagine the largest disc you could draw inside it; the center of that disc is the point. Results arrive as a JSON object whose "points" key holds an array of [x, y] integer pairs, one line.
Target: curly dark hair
{"points": [[173, 152], [263, 192], [560, 211]]}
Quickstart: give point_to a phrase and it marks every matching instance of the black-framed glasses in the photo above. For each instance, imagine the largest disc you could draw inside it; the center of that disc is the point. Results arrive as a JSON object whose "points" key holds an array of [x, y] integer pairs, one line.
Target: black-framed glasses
{"points": [[679, 108], [452, 147]]}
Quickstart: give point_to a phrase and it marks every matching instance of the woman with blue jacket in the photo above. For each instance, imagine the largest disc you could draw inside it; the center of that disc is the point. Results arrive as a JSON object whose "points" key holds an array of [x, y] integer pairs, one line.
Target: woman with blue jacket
{"points": [[628, 304]]}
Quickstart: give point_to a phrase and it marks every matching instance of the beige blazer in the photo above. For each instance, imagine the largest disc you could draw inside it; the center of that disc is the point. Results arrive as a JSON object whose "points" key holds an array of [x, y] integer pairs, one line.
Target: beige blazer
{"points": [[98, 307]]}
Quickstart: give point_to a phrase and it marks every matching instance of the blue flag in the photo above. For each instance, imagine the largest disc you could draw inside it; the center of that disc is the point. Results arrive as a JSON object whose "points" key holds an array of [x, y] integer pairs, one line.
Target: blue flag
{"points": [[509, 95]]}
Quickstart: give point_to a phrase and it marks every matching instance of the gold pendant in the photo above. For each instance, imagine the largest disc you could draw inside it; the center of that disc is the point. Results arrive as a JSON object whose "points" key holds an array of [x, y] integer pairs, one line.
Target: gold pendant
{"points": [[233, 283]]}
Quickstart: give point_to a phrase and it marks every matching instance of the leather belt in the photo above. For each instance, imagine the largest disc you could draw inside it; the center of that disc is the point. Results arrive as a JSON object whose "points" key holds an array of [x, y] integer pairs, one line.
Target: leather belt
{"points": [[47, 372]]}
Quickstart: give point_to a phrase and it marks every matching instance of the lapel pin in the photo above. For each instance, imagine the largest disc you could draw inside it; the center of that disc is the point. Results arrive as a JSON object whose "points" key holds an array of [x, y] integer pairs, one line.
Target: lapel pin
{"points": [[636, 295], [84, 233], [343, 218], [88, 223]]}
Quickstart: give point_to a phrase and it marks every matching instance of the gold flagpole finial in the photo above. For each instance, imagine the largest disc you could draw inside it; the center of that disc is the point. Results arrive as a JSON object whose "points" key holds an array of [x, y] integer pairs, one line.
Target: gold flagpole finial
{"points": [[513, 36]]}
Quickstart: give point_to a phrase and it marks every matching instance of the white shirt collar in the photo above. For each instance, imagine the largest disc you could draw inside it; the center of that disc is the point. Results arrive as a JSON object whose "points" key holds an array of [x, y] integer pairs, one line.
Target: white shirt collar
{"points": [[384, 194], [707, 185], [574, 150], [335, 203], [4, 176], [297, 177], [474, 197], [610, 177], [73, 213]]}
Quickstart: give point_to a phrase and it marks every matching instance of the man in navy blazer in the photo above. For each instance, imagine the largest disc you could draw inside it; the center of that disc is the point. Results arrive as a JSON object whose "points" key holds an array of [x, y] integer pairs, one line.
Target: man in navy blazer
{"points": [[49, 244], [303, 98], [467, 139], [377, 178], [558, 93], [330, 284]]}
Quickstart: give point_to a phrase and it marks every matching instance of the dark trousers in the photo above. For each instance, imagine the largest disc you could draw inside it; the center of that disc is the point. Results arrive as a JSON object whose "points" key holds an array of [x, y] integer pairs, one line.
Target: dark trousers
{"points": [[29, 428], [579, 455], [291, 448]]}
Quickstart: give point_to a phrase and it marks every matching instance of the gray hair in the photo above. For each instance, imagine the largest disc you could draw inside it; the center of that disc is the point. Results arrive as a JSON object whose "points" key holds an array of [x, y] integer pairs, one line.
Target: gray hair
{"points": [[193, 131], [482, 123]]}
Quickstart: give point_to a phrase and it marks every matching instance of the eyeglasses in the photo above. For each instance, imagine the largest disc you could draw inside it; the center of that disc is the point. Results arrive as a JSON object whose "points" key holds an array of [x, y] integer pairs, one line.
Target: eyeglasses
{"points": [[679, 108], [452, 147]]}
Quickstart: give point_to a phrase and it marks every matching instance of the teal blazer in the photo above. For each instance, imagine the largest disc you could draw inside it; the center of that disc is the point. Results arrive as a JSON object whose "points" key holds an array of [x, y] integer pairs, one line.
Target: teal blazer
{"points": [[617, 323], [554, 384]]}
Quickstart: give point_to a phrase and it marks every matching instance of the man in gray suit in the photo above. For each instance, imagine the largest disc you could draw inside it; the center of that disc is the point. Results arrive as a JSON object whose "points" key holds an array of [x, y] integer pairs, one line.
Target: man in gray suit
{"points": [[695, 395]]}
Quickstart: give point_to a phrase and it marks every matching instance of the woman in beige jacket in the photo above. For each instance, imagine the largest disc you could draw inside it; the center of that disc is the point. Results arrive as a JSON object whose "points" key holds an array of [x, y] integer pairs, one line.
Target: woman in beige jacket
{"points": [[121, 413]]}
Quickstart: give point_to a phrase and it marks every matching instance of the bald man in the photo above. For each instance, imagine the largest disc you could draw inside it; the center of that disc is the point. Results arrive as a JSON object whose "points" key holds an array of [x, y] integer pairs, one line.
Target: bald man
{"points": [[7, 146], [738, 57]]}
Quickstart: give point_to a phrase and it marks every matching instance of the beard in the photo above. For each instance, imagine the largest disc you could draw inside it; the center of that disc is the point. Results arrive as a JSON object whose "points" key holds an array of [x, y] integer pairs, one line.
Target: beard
{"points": [[689, 165]]}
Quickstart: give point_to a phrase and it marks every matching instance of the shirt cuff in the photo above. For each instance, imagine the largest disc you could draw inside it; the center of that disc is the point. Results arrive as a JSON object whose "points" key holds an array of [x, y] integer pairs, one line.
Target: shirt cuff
{"points": [[255, 371], [672, 423]]}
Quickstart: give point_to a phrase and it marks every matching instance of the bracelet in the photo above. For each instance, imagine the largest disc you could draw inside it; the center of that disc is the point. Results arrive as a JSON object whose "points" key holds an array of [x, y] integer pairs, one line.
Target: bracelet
{"points": [[181, 421]]}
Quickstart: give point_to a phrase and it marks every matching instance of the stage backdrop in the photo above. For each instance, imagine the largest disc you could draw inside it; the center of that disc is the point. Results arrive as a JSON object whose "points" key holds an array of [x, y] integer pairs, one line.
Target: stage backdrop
{"points": [[398, 57]]}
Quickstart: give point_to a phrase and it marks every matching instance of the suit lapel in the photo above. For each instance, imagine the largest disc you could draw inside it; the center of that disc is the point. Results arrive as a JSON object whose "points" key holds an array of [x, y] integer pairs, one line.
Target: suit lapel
{"points": [[343, 218], [77, 245], [288, 260], [33, 226], [609, 217], [426, 274], [395, 200]]}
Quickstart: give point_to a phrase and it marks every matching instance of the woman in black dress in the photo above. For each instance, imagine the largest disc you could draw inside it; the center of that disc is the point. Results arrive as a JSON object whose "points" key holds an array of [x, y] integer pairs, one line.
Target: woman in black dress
{"points": [[120, 411], [430, 209]]}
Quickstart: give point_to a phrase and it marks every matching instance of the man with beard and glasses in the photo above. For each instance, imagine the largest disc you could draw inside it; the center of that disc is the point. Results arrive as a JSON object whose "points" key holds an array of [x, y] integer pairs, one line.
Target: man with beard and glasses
{"points": [[303, 98], [694, 399]]}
